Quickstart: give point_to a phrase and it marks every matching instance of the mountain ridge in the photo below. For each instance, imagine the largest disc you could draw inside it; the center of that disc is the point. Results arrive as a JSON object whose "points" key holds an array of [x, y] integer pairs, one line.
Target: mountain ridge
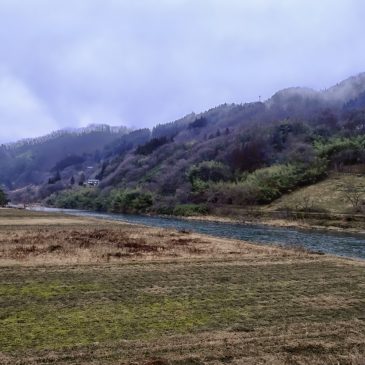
{"points": [[67, 131], [352, 87]]}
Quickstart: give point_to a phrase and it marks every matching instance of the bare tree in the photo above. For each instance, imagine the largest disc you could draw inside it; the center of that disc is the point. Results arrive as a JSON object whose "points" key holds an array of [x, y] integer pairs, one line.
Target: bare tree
{"points": [[353, 193], [303, 203]]}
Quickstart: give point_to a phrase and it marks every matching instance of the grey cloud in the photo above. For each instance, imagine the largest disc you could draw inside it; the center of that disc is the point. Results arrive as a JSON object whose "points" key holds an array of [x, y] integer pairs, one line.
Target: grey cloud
{"points": [[145, 62]]}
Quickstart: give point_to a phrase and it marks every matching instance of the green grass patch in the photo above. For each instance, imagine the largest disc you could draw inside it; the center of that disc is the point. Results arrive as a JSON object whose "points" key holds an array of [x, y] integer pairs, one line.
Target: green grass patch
{"points": [[56, 308]]}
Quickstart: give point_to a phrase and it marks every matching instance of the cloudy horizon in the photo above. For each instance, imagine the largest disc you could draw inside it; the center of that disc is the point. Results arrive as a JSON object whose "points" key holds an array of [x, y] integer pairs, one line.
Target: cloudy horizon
{"points": [[142, 63]]}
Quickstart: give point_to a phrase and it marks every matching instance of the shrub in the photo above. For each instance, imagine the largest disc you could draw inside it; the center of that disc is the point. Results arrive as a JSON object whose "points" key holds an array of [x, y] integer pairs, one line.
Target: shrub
{"points": [[84, 198], [236, 193], [164, 210], [130, 201], [118, 201], [209, 171], [186, 210], [310, 174], [273, 181], [327, 149], [199, 186], [266, 184]]}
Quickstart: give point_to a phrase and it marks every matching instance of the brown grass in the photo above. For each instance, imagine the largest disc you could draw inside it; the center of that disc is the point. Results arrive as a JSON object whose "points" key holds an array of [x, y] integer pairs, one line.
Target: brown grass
{"points": [[327, 194], [62, 240]]}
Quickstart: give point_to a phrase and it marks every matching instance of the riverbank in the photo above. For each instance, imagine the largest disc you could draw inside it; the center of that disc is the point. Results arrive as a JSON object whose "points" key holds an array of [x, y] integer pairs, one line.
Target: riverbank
{"points": [[332, 222], [82, 290], [44, 238], [282, 223], [337, 243]]}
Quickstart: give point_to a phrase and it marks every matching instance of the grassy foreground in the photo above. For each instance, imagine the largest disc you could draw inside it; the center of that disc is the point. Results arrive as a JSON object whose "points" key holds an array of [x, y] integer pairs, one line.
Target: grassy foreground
{"points": [[79, 291]]}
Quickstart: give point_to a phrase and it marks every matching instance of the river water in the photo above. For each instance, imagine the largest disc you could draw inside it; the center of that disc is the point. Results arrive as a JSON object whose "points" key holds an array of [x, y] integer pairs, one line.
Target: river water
{"points": [[341, 244]]}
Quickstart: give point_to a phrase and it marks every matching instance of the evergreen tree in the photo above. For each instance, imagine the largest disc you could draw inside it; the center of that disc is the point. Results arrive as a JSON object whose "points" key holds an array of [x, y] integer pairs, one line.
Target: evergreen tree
{"points": [[82, 179], [54, 179], [3, 199]]}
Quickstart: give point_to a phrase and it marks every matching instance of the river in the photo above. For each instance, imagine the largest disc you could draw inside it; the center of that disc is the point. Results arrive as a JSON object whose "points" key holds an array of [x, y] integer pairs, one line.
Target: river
{"points": [[336, 243]]}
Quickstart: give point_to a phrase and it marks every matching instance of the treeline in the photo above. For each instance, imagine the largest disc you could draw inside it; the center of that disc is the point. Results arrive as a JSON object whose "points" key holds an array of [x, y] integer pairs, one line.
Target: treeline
{"points": [[117, 201], [120, 201]]}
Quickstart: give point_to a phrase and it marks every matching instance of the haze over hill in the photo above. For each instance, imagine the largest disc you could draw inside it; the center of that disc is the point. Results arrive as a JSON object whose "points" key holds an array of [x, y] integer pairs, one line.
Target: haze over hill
{"points": [[139, 64]]}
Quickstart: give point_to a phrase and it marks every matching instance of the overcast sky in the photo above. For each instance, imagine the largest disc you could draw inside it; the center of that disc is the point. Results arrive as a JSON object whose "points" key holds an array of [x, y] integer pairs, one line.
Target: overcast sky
{"points": [[69, 63]]}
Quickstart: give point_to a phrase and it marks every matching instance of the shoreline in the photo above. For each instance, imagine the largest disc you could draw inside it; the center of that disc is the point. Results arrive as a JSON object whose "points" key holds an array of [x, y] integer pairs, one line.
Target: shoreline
{"points": [[280, 223]]}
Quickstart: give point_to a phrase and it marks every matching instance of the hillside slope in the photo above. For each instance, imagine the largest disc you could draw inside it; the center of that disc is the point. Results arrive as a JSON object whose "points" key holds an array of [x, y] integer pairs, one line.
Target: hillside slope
{"points": [[233, 154], [336, 194]]}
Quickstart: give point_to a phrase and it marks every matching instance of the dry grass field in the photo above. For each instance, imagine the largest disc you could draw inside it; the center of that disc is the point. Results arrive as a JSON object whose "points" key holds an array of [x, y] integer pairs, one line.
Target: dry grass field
{"points": [[328, 194], [84, 291]]}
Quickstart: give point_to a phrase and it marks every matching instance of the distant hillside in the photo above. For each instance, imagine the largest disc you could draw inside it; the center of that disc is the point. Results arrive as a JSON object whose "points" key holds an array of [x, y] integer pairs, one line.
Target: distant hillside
{"points": [[31, 161], [240, 154]]}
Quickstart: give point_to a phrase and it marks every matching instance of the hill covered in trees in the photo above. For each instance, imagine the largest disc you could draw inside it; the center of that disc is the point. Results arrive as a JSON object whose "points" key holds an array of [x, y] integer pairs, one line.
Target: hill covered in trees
{"points": [[32, 161], [233, 154]]}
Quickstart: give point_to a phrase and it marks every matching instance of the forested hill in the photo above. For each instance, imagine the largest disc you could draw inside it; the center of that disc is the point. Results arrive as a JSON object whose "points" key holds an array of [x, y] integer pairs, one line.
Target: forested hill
{"points": [[231, 154], [31, 161]]}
